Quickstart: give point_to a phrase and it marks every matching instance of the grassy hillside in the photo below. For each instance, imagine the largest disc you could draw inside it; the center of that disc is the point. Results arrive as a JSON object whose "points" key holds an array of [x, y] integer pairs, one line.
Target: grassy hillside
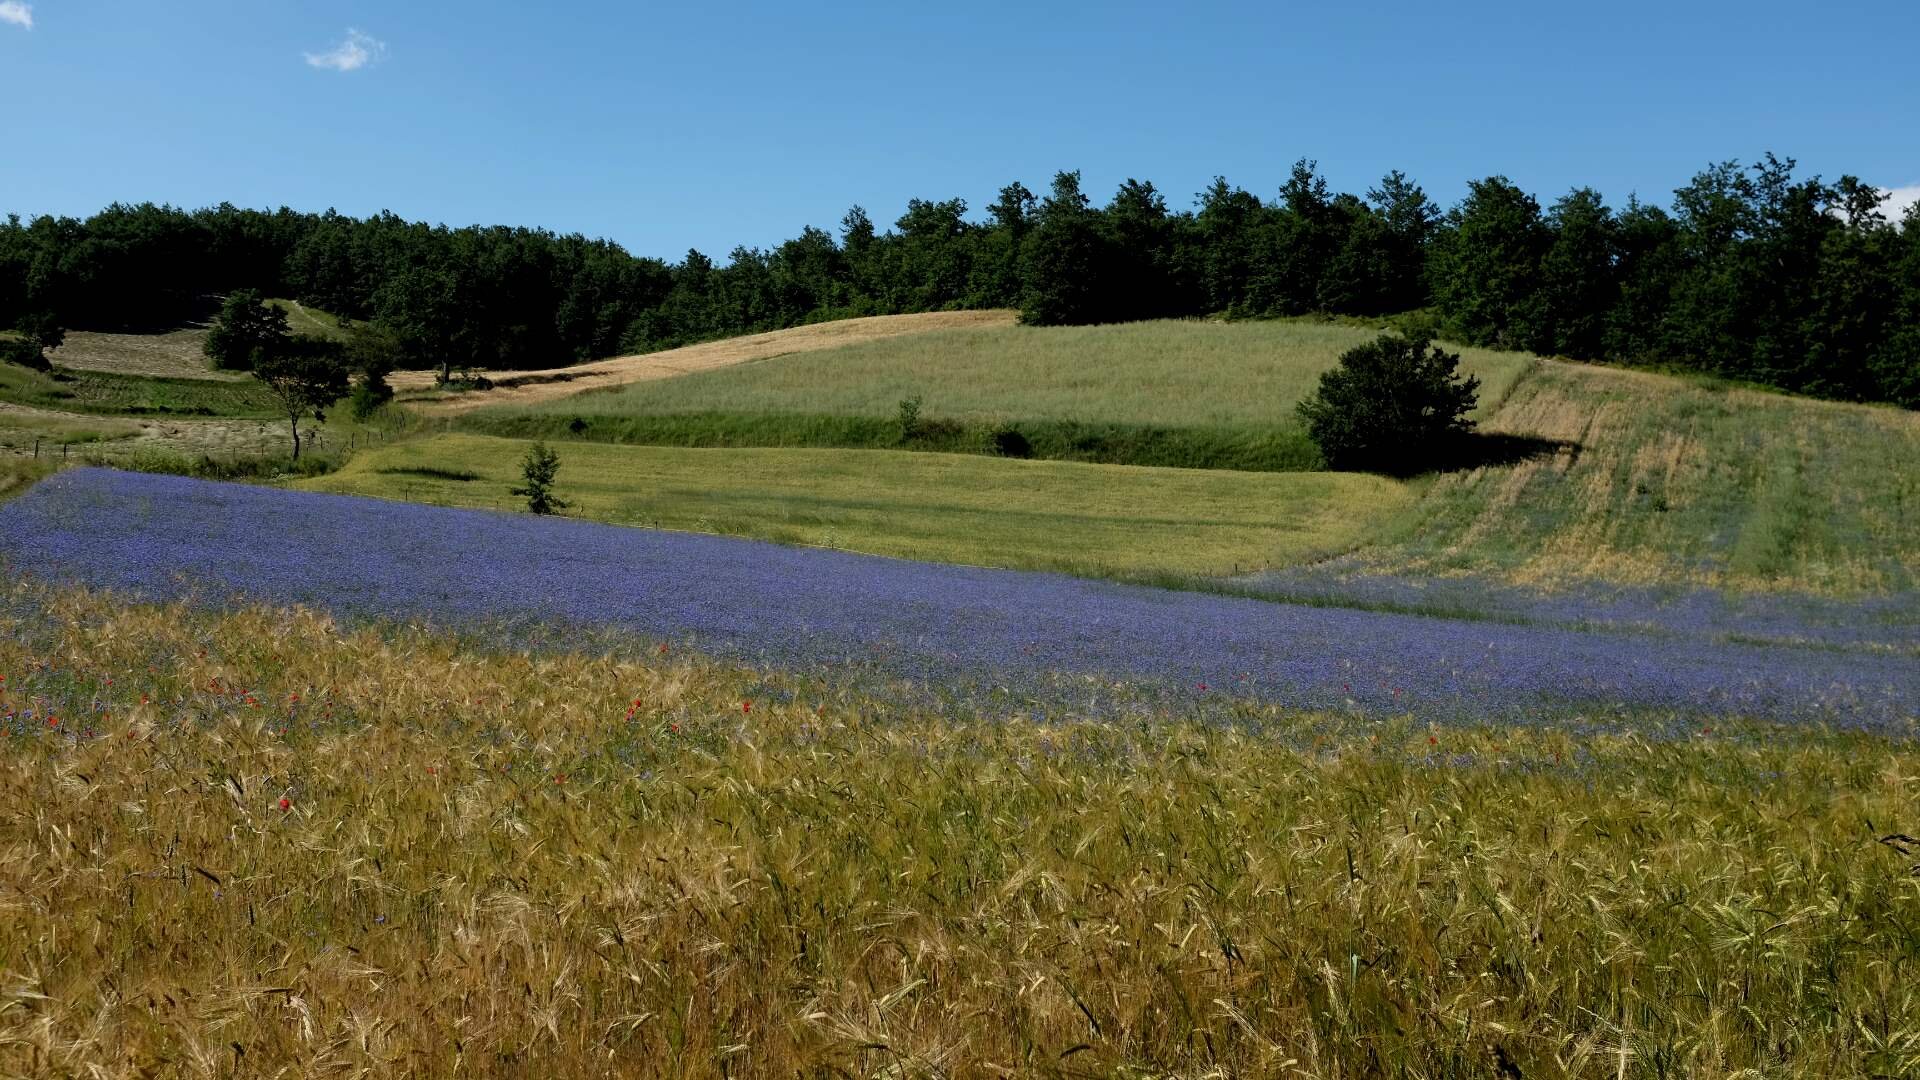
{"points": [[320, 850], [1657, 481], [311, 321], [420, 390], [176, 354], [1098, 519], [109, 393], [1669, 481], [1180, 393]]}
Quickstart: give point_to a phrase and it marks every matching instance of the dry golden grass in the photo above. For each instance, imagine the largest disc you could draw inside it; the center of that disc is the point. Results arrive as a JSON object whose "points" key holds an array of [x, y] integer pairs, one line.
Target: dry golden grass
{"points": [[528, 387], [113, 437], [176, 354], [488, 863]]}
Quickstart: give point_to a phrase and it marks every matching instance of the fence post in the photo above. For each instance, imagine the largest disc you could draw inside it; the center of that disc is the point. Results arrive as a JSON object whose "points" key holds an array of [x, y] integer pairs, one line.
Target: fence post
{"points": [[36, 447]]}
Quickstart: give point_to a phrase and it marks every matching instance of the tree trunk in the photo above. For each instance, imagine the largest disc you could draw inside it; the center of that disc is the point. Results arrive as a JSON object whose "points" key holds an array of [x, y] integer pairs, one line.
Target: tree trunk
{"points": [[295, 421]]}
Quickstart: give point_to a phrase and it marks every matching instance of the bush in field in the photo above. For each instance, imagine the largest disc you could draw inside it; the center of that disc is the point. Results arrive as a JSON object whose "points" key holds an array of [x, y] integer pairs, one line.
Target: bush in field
{"points": [[38, 333], [26, 354], [909, 417], [246, 329], [43, 329], [371, 354], [539, 467], [1391, 405]]}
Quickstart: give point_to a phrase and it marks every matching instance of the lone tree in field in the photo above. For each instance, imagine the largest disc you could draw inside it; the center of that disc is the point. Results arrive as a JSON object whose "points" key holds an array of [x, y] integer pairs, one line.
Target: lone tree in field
{"points": [[1392, 405], [539, 467], [246, 329], [306, 375]]}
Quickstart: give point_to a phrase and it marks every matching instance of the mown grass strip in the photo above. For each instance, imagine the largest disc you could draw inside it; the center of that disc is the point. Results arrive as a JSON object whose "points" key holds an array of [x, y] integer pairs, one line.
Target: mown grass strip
{"points": [[1100, 519]]}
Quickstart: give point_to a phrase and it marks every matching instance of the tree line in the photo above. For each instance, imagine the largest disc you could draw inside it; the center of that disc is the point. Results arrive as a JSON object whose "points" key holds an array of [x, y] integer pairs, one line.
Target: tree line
{"points": [[1751, 273]]}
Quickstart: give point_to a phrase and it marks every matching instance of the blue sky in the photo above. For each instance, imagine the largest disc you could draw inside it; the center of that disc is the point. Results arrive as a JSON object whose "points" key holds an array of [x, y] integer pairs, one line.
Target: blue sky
{"points": [[670, 125]]}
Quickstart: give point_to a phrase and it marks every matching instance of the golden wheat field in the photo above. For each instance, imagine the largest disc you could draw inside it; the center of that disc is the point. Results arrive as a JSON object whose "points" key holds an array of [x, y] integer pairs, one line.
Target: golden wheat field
{"points": [[274, 845]]}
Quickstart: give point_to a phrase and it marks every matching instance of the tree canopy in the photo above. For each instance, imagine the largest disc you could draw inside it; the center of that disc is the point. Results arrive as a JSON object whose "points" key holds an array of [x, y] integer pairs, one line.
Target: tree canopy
{"points": [[1752, 272], [1391, 405]]}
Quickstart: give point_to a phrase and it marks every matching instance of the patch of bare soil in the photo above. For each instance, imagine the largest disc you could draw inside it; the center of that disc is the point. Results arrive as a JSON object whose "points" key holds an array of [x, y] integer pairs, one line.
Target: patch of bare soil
{"points": [[525, 387]]}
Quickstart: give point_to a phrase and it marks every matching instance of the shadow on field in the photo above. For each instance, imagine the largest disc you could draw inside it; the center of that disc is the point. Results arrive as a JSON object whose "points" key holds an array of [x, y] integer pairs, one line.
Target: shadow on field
{"points": [[1481, 449]]}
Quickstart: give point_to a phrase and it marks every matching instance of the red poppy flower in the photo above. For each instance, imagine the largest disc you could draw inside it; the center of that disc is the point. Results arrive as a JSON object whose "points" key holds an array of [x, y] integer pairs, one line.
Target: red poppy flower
{"points": [[286, 803]]}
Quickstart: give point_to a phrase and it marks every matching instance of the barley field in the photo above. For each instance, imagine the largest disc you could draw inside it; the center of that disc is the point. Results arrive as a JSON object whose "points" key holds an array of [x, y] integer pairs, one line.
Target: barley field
{"points": [[259, 842]]}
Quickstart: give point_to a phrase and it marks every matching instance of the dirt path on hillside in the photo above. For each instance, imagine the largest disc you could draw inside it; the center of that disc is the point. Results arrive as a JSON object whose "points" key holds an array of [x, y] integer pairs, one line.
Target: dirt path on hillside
{"points": [[526, 387]]}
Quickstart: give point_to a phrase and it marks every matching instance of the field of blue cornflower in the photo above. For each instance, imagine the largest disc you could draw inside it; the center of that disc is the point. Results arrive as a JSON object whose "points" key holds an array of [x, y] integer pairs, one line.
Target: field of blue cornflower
{"points": [[1022, 635]]}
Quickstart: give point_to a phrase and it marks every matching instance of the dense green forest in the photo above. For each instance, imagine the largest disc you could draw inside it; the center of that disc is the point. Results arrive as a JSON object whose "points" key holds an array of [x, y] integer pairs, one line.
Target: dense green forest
{"points": [[1752, 273]]}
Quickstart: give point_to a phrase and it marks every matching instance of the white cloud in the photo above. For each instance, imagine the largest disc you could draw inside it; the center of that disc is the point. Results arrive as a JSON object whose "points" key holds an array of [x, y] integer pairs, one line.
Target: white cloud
{"points": [[1898, 199], [359, 50], [17, 13]]}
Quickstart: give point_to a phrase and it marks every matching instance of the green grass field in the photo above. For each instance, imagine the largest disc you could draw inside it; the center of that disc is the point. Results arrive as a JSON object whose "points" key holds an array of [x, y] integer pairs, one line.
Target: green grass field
{"points": [[1671, 481], [17, 474], [1094, 519], [1181, 393], [283, 847], [1656, 480], [108, 394], [21, 429], [311, 321]]}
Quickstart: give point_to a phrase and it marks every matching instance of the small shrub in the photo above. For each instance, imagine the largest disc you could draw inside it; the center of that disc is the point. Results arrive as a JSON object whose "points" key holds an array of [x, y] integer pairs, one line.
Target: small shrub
{"points": [[369, 394], [539, 467], [463, 382], [42, 328], [1009, 442], [909, 417], [26, 354], [577, 426], [372, 352], [1394, 405]]}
